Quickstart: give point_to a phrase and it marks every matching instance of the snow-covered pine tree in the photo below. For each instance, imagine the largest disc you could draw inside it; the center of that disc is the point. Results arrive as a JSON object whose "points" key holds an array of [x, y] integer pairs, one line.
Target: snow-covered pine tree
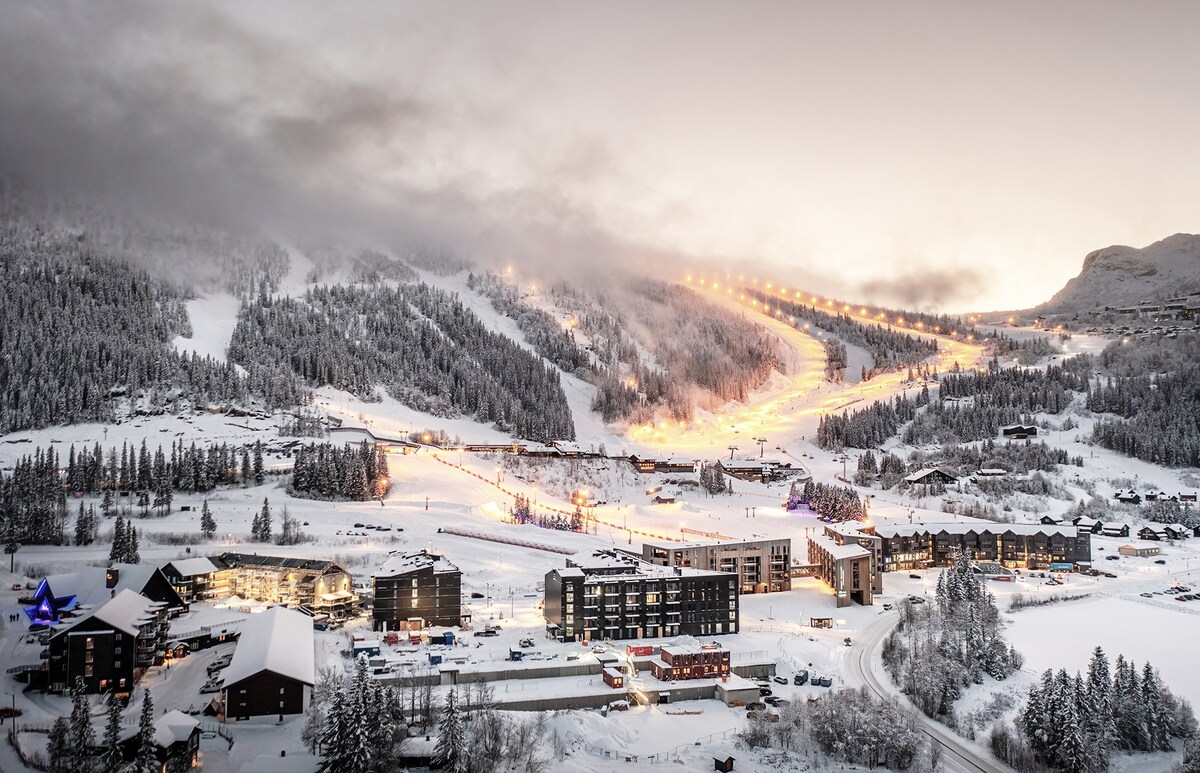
{"points": [[208, 525], [58, 746], [144, 760], [264, 522], [120, 543], [452, 739], [113, 762], [83, 735]]}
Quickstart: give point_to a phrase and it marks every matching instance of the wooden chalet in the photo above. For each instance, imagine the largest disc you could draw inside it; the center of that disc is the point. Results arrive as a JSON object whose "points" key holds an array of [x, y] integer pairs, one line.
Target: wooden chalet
{"points": [[1019, 432], [931, 476], [1114, 529]]}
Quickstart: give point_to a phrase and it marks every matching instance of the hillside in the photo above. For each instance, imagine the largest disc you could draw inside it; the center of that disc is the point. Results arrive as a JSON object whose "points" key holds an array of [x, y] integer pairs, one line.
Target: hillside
{"points": [[1120, 275]]}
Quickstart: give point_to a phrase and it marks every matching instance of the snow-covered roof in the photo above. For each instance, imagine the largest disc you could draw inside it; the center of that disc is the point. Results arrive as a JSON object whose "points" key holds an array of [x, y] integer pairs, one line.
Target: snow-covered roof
{"points": [[1086, 523], [688, 649], [847, 528], [633, 566], [174, 727], [89, 584], [191, 567], [992, 471], [128, 611], [919, 474], [279, 640], [677, 461], [399, 562], [708, 543], [1025, 529], [839, 551]]}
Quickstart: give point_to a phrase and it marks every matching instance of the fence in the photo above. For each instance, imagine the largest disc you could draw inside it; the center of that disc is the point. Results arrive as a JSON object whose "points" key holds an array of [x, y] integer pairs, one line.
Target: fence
{"points": [[655, 758]]}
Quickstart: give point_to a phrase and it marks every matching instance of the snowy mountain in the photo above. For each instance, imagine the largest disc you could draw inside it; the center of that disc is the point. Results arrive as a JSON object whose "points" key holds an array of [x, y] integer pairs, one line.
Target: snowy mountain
{"points": [[1120, 275]]}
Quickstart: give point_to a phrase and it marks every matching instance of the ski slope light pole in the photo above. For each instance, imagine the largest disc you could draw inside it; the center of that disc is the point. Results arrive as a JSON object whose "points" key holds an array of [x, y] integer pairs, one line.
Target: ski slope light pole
{"points": [[761, 441], [731, 450]]}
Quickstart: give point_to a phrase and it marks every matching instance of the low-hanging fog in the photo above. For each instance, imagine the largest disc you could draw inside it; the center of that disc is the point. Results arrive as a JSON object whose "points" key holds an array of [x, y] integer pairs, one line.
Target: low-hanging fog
{"points": [[935, 156]]}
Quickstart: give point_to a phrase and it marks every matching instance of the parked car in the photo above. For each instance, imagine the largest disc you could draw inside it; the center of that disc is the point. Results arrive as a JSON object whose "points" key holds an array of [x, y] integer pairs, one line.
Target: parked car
{"points": [[800, 678], [1180, 598], [916, 599], [476, 595], [1110, 575], [775, 700], [1184, 589], [212, 685], [765, 691], [1148, 595], [779, 680], [914, 577], [1160, 561], [486, 633], [756, 706], [1112, 558], [887, 607]]}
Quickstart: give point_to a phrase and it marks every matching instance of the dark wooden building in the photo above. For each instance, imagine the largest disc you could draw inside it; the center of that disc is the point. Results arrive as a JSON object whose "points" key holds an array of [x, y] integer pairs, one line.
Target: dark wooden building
{"points": [[273, 667], [1033, 546], [615, 595], [1019, 432], [416, 590], [691, 662], [111, 646]]}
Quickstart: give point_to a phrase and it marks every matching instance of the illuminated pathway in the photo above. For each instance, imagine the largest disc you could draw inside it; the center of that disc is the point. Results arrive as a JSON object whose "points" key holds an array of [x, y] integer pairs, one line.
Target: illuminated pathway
{"points": [[788, 408]]}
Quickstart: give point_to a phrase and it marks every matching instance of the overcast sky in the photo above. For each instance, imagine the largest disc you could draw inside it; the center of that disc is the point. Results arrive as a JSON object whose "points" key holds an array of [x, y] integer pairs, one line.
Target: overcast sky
{"points": [[954, 155]]}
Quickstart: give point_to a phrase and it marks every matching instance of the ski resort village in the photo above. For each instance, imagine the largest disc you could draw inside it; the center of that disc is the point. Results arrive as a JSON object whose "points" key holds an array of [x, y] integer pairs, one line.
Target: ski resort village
{"points": [[907, 565], [599, 388]]}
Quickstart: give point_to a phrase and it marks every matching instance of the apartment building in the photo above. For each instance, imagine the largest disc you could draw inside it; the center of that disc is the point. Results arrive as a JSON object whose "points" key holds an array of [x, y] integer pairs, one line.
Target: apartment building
{"points": [[615, 595], [1032, 546], [415, 590], [846, 558], [762, 566], [320, 585], [111, 646]]}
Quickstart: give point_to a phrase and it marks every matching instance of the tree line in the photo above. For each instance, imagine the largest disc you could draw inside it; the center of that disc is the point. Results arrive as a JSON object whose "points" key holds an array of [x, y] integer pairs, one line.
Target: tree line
{"points": [[889, 349], [420, 343], [84, 338], [1076, 723], [324, 471]]}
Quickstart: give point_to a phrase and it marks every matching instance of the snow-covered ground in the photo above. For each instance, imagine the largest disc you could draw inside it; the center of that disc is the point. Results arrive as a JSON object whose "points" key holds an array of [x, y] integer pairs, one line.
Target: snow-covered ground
{"points": [[432, 490], [213, 319]]}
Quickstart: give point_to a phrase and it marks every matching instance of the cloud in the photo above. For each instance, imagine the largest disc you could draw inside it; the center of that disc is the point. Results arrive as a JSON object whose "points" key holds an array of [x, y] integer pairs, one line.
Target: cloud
{"points": [[928, 289], [820, 137]]}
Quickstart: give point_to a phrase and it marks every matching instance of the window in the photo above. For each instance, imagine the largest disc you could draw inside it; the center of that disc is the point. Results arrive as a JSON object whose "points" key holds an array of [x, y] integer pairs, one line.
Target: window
{"points": [[89, 643], [87, 670], [414, 582], [281, 690]]}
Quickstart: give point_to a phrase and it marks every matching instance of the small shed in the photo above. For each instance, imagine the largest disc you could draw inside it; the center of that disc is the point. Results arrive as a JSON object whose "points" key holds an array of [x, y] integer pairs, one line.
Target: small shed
{"points": [[1138, 551], [613, 678], [724, 764]]}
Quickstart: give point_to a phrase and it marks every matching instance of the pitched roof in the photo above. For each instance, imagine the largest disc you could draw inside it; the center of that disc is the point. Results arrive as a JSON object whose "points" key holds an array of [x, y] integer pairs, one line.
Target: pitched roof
{"points": [[919, 474], [190, 567], [126, 612], [279, 640], [174, 727], [89, 585], [1024, 529]]}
